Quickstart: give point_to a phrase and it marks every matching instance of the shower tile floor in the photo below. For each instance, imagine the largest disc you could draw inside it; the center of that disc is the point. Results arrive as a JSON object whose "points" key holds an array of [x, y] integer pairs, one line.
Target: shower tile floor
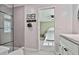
{"points": [[45, 49]]}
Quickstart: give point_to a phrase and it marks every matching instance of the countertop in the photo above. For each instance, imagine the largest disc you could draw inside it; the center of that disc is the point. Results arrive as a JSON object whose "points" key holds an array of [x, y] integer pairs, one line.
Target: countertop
{"points": [[71, 37]]}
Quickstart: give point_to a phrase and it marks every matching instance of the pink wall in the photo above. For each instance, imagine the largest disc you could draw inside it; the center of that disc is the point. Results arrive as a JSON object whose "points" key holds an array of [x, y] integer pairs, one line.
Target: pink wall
{"points": [[31, 34], [63, 22], [19, 26]]}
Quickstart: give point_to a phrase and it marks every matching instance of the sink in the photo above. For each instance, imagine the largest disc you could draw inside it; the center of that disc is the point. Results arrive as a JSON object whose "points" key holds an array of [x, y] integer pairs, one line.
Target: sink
{"points": [[4, 50]]}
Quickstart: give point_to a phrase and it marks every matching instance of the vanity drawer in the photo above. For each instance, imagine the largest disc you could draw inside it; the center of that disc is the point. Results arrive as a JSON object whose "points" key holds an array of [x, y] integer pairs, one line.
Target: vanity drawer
{"points": [[66, 51], [73, 48]]}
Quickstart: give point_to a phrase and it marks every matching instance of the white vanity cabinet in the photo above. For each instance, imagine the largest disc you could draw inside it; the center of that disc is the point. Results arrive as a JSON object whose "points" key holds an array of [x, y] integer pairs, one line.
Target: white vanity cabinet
{"points": [[68, 47]]}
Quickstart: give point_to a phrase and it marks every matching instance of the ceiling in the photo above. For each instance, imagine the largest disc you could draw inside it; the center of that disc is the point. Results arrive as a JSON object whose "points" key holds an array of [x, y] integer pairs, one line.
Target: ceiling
{"points": [[32, 5]]}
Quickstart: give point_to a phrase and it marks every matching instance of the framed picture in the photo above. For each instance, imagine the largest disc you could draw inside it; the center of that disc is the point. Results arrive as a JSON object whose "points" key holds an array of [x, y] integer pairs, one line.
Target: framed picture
{"points": [[31, 16]]}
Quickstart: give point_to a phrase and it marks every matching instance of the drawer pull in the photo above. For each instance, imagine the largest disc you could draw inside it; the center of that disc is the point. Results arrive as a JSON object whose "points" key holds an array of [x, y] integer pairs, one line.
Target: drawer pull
{"points": [[65, 49]]}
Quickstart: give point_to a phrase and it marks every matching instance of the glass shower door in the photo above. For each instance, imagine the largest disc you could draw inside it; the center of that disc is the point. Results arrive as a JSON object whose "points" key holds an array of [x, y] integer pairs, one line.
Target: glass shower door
{"points": [[6, 37]]}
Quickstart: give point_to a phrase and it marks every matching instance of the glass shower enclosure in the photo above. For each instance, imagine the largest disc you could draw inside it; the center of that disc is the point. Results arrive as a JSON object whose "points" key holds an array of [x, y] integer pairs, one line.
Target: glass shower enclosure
{"points": [[6, 30]]}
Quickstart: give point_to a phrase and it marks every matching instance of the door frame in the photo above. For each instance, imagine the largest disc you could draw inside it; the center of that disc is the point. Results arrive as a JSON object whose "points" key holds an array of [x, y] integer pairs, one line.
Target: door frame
{"points": [[38, 22]]}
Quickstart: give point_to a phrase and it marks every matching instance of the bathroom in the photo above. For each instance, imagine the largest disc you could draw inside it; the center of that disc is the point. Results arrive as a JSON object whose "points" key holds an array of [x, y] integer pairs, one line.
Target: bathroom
{"points": [[21, 23], [47, 25]]}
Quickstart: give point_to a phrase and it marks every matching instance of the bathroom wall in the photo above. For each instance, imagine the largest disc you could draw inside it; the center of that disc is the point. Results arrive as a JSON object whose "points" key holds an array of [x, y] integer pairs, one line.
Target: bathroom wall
{"points": [[31, 34], [63, 22], [19, 26]]}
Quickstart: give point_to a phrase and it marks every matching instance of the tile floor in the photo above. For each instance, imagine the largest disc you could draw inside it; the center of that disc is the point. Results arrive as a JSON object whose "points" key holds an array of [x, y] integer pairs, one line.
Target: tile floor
{"points": [[45, 50]]}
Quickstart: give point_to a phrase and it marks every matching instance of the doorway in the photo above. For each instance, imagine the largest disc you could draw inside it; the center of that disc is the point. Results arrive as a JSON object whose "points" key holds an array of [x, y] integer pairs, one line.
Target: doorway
{"points": [[46, 29]]}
